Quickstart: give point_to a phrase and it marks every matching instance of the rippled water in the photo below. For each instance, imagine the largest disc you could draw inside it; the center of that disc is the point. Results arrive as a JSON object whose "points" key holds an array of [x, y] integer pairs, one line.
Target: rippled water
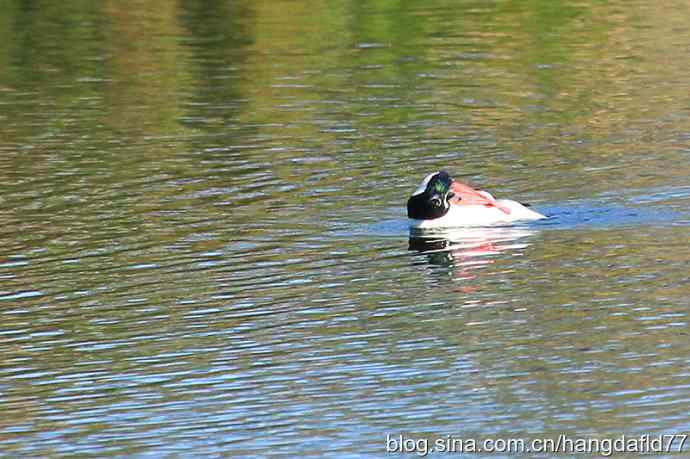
{"points": [[203, 249]]}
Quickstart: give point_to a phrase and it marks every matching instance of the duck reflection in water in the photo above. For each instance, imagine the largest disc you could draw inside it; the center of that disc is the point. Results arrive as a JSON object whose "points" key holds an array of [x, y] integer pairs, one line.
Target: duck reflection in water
{"points": [[466, 250]]}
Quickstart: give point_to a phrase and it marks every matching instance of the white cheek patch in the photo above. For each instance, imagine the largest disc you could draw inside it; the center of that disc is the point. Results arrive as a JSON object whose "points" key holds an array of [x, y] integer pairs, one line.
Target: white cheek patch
{"points": [[423, 185]]}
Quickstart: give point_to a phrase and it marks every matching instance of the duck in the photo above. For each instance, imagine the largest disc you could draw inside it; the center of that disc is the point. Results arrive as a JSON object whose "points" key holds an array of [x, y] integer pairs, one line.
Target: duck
{"points": [[441, 202]]}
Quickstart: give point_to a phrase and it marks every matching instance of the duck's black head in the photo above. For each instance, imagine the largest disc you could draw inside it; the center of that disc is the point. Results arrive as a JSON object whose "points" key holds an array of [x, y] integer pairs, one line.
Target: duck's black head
{"points": [[430, 201]]}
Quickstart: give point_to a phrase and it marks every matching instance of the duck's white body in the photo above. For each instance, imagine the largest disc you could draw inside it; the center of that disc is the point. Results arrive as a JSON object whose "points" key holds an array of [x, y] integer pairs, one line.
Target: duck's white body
{"points": [[441, 202], [480, 215]]}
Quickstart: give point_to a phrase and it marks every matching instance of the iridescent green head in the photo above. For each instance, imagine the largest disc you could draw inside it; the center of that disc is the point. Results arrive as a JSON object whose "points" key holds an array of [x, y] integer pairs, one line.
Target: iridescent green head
{"points": [[431, 199]]}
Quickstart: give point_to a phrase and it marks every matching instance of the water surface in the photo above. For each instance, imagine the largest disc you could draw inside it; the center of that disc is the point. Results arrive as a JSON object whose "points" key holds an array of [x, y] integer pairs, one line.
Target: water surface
{"points": [[203, 249]]}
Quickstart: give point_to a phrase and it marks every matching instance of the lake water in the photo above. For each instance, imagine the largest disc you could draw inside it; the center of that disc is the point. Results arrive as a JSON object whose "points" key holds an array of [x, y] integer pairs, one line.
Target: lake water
{"points": [[203, 244]]}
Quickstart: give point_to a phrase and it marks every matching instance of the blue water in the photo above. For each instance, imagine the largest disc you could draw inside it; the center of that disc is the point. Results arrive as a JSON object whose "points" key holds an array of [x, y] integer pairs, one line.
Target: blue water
{"points": [[602, 213]]}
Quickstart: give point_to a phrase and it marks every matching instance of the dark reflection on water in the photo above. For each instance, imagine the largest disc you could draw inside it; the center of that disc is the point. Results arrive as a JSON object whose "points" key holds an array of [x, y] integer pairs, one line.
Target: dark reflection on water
{"points": [[469, 247], [203, 248]]}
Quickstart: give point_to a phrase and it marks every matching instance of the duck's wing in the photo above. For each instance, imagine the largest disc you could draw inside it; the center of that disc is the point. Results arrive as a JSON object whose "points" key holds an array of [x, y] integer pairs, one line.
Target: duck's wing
{"points": [[465, 195]]}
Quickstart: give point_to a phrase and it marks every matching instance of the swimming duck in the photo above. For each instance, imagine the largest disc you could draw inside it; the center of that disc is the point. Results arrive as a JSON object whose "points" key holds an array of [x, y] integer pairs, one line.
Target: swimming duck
{"points": [[441, 202]]}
